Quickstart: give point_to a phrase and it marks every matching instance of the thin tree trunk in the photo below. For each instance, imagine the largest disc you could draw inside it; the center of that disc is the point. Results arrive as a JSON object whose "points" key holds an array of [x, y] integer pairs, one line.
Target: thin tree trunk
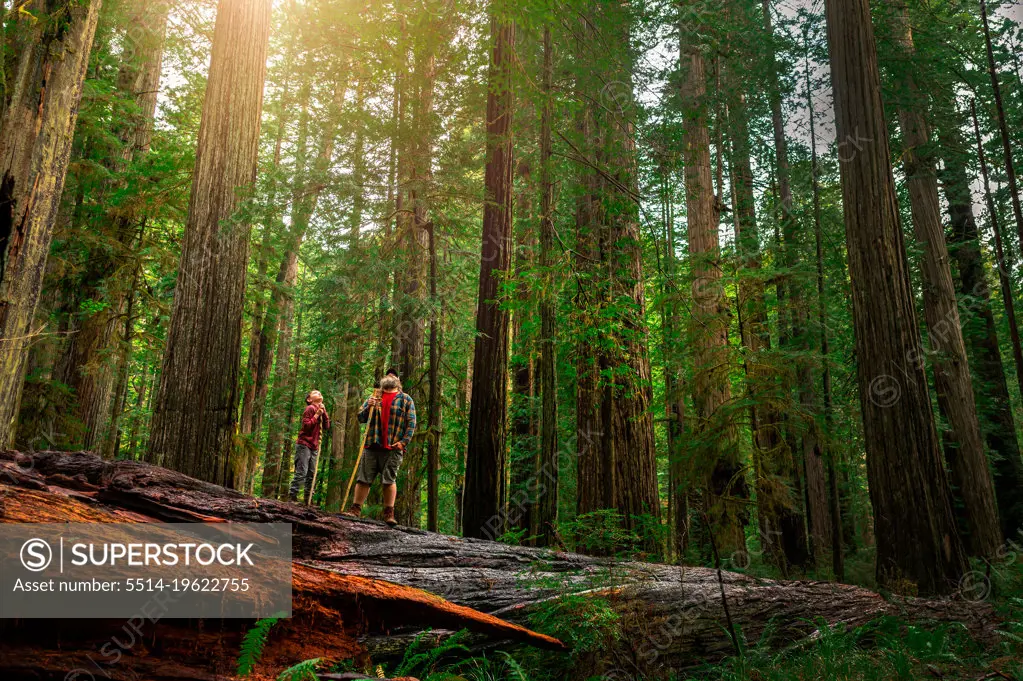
{"points": [[411, 284], [1003, 128], [1008, 476], [136, 421], [1003, 266], [546, 508], [791, 522], [965, 448], [716, 462], [258, 369], [524, 460], [304, 204], [917, 544], [825, 534], [434, 423], [588, 423], [487, 440], [336, 482], [782, 526], [41, 99]]}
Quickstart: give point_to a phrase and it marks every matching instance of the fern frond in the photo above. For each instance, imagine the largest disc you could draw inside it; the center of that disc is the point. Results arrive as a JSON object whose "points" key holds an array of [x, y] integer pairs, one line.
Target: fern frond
{"points": [[517, 672], [303, 671], [252, 645]]}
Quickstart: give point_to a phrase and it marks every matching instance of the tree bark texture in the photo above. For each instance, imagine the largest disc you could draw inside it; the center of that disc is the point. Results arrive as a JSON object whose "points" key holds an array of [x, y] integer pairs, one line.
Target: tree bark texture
{"points": [[952, 382], [980, 331], [791, 523], [93, 353], [917, 544], [546, 507], [196, 406], [52, 40], [1003, 128], [715, 464], [482, 513]]}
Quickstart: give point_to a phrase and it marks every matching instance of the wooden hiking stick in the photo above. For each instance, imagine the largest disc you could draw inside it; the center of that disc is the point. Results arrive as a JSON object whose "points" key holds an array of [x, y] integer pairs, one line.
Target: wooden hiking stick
{"points": [[362, 448]]}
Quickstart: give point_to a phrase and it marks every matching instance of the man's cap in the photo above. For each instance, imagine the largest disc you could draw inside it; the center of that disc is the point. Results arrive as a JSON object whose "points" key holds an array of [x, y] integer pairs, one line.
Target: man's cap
{"points": [[394, 372]]}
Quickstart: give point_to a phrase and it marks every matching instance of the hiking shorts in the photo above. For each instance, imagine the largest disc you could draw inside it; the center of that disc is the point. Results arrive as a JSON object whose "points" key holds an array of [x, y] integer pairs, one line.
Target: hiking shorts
{"points": [[382, 462]]}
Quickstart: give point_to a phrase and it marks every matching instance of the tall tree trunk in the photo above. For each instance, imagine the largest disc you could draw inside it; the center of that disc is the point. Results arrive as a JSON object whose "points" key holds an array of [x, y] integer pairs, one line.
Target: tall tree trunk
{"points": [[91, 364], [914, 527], [1002, 263], [716, 463], [674, 388], [488, 412], [627, 440], [434, 422], [411, 284], [1003, 128], [523, 462], [588, 424], [1001, 434], [825, 532], [258, 368], [546, 508], [782, 525], [197, 402], [952, 383], [51, 40], [791, 521]]}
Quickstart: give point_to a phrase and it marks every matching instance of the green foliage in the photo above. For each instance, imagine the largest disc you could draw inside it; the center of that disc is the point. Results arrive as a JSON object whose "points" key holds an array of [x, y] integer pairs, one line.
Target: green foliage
{"points": [[424, 661], [602, 532], [584, 622], [303, 671], [885, 650], [253, 643]]}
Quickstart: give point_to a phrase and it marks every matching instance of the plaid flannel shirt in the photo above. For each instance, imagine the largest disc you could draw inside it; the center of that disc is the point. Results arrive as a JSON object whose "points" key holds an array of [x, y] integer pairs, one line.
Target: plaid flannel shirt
{"points": [[401, 422]]}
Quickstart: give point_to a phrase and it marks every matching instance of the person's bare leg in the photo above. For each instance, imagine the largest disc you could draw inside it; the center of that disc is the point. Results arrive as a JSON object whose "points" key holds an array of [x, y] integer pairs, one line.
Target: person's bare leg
{"points": [[362, 492], [390, 494]]}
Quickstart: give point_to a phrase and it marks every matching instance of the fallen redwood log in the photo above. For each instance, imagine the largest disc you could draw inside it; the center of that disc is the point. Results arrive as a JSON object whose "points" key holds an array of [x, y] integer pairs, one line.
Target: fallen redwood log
{"points": [[670, 617], [331, 612]]}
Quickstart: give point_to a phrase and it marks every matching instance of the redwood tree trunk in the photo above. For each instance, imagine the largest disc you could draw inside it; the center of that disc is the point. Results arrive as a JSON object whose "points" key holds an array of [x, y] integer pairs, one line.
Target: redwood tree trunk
{"points": [[1008, 469], [92, 356], [913, 523], [1003, 128], [51, 40], [830, 535], [411, 302], [791, 522], [546, 506], [627, 440], [488, 411], [588, 424], [952, 383], [716, 463]]}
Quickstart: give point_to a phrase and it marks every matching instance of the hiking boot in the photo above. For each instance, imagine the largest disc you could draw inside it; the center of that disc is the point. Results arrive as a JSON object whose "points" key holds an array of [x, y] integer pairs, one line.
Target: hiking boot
{"points": [[389, 516], [354, 511]]}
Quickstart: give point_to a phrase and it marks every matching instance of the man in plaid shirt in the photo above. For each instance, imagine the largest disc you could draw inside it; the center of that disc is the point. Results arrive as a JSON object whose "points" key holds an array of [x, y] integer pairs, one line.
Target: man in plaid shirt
{"points": [[395, 415]]}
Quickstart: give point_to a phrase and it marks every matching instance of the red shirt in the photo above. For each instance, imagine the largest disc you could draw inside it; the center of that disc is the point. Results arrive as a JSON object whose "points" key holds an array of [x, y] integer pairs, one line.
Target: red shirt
{"points": [[385, 413], [312, 424]]}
